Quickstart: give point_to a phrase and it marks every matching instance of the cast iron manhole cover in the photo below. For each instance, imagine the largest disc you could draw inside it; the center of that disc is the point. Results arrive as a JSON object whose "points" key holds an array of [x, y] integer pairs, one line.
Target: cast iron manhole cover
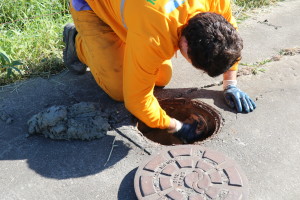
{"points": [[190, 172]]}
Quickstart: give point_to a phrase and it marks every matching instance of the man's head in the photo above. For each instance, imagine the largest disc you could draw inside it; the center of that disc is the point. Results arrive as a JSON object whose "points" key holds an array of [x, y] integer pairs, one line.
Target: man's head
{"points": [[211, 43]]}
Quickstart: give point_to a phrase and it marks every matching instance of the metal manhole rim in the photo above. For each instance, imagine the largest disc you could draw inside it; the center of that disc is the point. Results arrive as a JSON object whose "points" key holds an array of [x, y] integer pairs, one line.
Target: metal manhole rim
{"points": [[194, 102]]}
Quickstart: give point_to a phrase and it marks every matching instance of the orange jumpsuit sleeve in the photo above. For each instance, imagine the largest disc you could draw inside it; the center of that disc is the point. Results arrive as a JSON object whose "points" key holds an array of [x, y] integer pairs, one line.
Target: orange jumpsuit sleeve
{"points": [[150, 41], [223, 8], [141, 62]]}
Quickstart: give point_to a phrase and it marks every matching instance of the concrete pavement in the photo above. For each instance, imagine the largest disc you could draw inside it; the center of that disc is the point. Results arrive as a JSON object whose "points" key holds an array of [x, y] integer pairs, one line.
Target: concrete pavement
{"points": [[265, 143]]}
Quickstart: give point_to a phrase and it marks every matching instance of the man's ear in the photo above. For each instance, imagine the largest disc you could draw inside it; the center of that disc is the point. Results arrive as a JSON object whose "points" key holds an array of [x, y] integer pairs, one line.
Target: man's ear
{"points": [[183, 47]]}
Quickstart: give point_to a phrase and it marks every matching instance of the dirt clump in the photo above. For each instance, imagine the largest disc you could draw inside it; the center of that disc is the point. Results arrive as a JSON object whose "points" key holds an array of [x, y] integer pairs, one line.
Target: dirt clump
{"points": [[290, 51], [5, 117], [83, 121]]}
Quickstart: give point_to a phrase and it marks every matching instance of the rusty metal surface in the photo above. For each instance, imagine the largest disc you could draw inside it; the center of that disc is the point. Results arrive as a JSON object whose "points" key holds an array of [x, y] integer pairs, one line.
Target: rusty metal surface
{"points": [[190, 172], [186, 111]]}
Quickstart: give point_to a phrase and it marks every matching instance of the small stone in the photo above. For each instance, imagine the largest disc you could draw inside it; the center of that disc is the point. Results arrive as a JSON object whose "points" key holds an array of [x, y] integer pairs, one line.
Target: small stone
{"points": [[276, 58], [9, 120], [5, 117]]}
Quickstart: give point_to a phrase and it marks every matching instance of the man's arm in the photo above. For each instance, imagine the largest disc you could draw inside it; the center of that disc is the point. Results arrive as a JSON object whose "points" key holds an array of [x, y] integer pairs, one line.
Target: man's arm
{"points": [[139, 75], [229, 77]]}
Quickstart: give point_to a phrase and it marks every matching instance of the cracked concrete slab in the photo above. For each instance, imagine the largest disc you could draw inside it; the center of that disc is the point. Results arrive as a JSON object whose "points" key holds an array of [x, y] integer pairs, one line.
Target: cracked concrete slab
{"points": [[267, 139], [269, 30], [264, 143]]}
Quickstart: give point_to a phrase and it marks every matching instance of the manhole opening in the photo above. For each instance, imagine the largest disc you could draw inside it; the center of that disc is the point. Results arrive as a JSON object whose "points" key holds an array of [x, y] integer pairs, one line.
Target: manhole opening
{"points": [[186, 111]]}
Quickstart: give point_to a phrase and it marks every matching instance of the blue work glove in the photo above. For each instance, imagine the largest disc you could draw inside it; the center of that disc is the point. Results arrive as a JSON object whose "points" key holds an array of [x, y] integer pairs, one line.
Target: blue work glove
{"points": [[187, 133], [238, 99]]}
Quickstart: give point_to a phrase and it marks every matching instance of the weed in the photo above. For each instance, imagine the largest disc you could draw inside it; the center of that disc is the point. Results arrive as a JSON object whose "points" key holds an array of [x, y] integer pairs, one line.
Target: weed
{"points": [[250, 4], [256, 67], [242, 9], [290, 51], [8, 66], [31, 31]]}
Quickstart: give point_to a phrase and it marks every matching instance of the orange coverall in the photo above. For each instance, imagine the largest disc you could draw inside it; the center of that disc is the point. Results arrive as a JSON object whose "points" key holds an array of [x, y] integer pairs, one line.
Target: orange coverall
{"points": [[128, 44]]}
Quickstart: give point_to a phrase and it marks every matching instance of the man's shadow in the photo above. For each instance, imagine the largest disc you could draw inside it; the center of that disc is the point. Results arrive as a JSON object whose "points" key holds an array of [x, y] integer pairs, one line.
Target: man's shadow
{"points": [[194, 93], [70, 159], [63, 159], [55, 158], [126, 189]]}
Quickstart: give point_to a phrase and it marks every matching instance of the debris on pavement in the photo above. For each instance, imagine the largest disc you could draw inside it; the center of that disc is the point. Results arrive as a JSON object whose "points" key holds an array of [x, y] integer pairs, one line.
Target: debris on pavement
{"points": [[83, 121]]}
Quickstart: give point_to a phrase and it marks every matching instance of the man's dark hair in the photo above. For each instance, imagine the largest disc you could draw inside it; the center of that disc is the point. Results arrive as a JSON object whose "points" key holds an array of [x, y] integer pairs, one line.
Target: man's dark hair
{"points": [[213, 43]]}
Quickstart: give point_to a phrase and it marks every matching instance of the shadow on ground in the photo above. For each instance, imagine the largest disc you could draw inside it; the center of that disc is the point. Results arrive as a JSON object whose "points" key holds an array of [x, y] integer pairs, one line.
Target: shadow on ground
{"points": [[126, 189], [50, 158], [62, 159], [69, 159], [195, 93]]}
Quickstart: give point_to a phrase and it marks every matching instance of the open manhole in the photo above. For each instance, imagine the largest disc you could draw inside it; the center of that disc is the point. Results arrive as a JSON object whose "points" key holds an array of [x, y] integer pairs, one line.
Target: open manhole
{"points": [[190, 172], [186, 111]]}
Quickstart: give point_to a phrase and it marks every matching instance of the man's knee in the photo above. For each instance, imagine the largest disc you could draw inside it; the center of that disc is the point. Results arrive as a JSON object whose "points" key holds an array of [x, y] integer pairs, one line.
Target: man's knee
{"points": [[164, 74], [115, 93], [117, 97]]}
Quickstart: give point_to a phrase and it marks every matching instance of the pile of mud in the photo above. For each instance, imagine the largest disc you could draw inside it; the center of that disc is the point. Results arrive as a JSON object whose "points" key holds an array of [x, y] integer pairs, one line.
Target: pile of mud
{"points": [[83, 121]]}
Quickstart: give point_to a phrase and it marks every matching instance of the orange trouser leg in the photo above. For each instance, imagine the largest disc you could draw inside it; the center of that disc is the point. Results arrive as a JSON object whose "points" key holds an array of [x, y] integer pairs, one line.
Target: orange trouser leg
{"points": [[101, 50], [164, 74]]}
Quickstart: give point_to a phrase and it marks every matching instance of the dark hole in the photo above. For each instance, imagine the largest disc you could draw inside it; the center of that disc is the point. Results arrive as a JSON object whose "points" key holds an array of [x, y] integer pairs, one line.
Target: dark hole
{"points": [[186, 111]]}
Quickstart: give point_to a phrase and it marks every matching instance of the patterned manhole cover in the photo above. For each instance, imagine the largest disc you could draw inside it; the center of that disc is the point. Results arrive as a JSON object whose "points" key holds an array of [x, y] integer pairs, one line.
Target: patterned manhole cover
{"points": [[190, 172]]}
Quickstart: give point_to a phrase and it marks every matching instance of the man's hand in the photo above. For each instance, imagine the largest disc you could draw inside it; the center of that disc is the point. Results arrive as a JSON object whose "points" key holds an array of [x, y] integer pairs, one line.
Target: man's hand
{"points": [[238, 99], [188, 133]]}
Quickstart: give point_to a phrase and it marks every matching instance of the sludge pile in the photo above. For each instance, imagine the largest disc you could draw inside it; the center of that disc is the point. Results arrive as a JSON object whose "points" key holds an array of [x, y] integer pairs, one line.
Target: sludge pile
{"points": [[84, 121]]}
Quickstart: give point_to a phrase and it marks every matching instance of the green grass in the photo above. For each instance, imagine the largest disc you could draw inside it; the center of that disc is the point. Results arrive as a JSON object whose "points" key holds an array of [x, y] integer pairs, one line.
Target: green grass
{"points": [[31, 31], [250, 4], [257, 66], [242, 8]]}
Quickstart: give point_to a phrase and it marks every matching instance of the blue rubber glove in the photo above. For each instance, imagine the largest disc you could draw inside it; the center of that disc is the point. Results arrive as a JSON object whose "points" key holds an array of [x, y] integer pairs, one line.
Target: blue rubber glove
{"points": [[238, 99], [187, 133]]}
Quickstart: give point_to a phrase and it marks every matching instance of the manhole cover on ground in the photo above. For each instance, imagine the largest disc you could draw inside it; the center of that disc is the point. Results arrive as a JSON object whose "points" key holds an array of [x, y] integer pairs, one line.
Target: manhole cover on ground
{"points": [[186, 111], [190, 172]]}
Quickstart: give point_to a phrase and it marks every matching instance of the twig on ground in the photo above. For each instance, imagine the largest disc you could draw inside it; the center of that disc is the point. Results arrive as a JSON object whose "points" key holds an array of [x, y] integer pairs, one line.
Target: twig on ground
{"points": [[239, 11], [112, 148], [17, 87], [59, 83]]}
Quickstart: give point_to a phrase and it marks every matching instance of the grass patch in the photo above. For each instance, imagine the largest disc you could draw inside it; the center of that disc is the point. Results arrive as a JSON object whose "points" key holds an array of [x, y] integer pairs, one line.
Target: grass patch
{"points": [[250, 4], [256, 67], [31, 32], [241, 8]]}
